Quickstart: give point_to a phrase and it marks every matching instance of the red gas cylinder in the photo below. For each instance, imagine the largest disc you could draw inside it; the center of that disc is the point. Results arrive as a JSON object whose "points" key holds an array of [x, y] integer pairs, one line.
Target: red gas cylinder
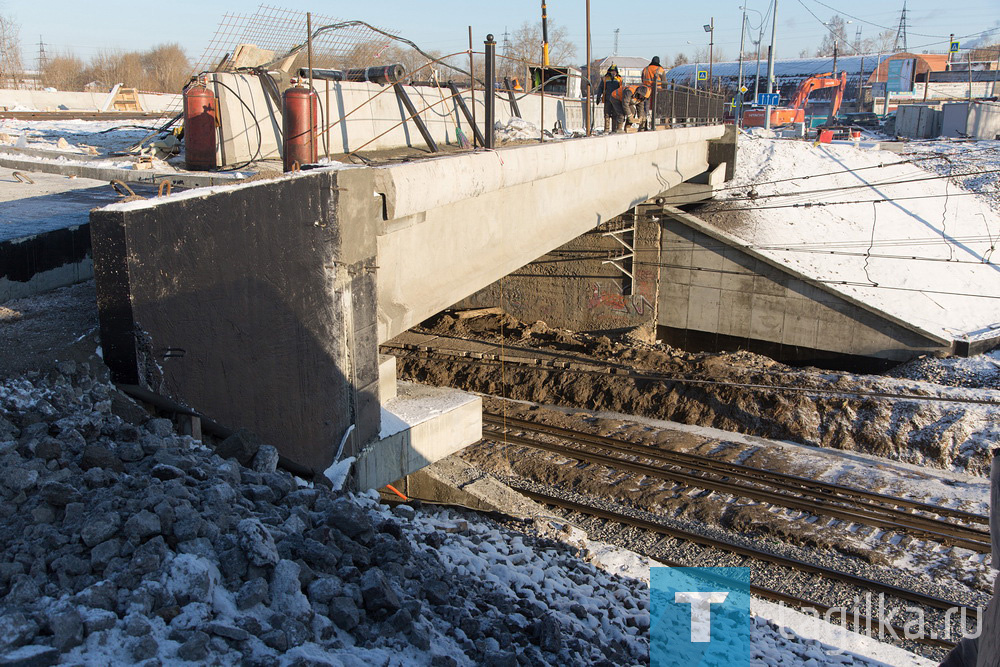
{"points": [[199, 127], [300, 127]]}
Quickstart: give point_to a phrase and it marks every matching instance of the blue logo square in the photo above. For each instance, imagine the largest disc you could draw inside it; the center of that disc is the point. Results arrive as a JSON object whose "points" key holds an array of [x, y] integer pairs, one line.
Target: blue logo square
{"points": [[700, 617]]}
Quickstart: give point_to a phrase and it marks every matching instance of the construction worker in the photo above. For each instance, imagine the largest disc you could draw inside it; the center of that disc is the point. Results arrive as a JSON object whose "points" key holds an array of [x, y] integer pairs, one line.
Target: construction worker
{"points": [[610, 82], [652, 75], [628, 104]]}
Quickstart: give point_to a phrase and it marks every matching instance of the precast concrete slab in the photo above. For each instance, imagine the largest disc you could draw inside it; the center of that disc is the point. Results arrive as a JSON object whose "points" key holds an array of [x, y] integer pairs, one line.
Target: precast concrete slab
{"points": [[463, 222], [421, 425], [719, 294]]}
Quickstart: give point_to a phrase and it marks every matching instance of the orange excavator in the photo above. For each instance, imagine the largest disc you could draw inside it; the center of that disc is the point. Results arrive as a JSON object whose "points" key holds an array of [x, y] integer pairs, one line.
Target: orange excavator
{"points": [[795, 112]]}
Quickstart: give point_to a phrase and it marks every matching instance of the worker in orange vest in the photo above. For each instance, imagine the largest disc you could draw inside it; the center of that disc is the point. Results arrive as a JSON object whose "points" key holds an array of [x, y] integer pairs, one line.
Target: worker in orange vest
{"points": [[611, 82], [627, 103], [652, 75]]}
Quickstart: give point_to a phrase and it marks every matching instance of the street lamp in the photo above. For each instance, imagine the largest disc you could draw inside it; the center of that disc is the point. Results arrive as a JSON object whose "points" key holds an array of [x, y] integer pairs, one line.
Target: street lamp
{"points": [[710, 29], [756, 43], [770, 65], [836, 43]]}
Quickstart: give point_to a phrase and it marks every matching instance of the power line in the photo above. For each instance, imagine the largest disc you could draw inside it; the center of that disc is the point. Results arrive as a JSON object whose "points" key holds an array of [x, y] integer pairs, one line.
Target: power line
{"points": [[830, 173], [877, 25], [834, 203], [864, 185]]}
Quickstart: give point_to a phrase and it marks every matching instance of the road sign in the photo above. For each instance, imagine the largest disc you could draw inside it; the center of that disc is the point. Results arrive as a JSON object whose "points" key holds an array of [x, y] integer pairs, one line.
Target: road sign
{"points": [[702, 75], [744, 89], [768, 99], [954, 47]]}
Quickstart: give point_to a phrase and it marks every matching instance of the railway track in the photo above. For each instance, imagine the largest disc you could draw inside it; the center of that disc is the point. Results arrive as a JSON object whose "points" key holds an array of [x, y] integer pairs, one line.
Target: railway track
{"points": [[555, 363], [790, 491], [934, 638]]}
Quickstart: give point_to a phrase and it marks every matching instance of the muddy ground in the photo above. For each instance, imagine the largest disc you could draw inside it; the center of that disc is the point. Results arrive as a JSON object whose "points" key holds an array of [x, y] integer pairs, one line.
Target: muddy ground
{"points": [[947, 435]]}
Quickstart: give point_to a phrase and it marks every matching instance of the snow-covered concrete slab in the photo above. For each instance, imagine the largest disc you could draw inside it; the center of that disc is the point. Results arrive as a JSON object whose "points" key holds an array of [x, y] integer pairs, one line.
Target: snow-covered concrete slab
{"points": [[877, 228], [422, 424]]}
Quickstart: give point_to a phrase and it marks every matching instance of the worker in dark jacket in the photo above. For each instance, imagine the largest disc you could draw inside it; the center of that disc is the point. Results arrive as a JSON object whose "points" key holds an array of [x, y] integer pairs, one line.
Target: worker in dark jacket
{"points": [[652, 76], [627, 102], [611, 82]]}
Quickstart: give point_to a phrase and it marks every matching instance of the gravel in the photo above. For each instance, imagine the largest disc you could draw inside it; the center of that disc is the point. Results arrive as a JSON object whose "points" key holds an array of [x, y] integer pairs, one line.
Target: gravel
{"points": [[128, 543]]}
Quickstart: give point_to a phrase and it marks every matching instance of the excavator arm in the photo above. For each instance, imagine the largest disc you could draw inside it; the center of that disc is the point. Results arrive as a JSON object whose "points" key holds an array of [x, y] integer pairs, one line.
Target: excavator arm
{"points": [[819, 82]]}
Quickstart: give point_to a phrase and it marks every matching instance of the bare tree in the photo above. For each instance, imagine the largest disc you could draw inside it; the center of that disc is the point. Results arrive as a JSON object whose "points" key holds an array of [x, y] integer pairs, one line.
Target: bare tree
{"points": [[11, 66], [836, 34], [526, 47], [681, 59], [64, 71], [702, 55], [413, 61], [166, 68]]}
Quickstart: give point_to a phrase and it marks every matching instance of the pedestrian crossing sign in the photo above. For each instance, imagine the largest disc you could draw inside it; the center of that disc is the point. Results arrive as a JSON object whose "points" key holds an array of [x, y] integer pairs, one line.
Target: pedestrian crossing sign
{"points": [[702, 75], [954, 47]]}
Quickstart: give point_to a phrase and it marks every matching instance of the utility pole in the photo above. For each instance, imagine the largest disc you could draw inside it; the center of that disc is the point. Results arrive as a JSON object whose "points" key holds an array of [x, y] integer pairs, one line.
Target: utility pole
{"points": [[739, 84], [505, 65], [43, 60], [901, 31], [756, 76], [614, 51], [545, 40], [770, 66], [951, 40], [836, 43], [710, 29], [588, 116]]}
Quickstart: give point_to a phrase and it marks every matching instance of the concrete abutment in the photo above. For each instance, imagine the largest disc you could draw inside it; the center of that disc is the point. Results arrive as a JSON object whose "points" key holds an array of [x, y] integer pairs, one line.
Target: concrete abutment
{"points": [[262, 305]]}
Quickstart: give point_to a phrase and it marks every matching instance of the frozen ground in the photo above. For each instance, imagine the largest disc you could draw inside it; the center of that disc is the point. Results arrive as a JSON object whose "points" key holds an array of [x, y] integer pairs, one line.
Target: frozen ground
{"points": [[874, 226]]}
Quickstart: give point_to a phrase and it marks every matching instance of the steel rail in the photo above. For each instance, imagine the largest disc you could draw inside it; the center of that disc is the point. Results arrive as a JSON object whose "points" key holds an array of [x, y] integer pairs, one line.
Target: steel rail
{"points": [[802, 566], [795, 483], [784, 500], [757, 554]]}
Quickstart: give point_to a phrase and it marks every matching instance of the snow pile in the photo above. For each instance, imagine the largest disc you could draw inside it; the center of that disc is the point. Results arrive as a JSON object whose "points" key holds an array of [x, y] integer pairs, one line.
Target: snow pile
{"points": [[124, 543], [103, 135], [516, 129], [922, 253]]}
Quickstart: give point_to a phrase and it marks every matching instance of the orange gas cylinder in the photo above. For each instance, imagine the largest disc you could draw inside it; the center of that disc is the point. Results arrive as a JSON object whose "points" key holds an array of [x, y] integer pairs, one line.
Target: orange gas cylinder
{"points": [[299, 125], [199, 127]]}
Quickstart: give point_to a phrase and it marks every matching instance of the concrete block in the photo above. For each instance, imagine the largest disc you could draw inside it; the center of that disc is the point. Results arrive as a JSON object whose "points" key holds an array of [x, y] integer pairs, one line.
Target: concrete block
{"points": [[386, 377], [771, 283], [711, 261], [736, 275], [228, 303], [673, 305], [452, 480], [801, 325], [736, 309], [703, 308], [420, 426], [768, 318]]}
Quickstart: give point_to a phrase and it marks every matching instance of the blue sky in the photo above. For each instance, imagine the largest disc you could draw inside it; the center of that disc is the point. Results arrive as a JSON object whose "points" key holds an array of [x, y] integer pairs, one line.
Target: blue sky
{"points": [[646, 28]]}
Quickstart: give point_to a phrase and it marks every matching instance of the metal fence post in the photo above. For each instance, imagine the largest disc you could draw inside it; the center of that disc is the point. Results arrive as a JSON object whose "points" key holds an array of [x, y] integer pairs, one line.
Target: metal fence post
{"points": [[489, 95]]}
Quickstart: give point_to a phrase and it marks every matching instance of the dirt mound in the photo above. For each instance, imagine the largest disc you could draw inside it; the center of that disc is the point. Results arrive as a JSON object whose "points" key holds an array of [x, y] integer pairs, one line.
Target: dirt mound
{"points": [[740, 392]]}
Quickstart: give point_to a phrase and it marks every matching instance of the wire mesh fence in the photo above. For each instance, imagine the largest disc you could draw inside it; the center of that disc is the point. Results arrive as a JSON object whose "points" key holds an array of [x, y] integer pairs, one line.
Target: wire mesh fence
{"points": [[677, 105], [278, 31]]}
